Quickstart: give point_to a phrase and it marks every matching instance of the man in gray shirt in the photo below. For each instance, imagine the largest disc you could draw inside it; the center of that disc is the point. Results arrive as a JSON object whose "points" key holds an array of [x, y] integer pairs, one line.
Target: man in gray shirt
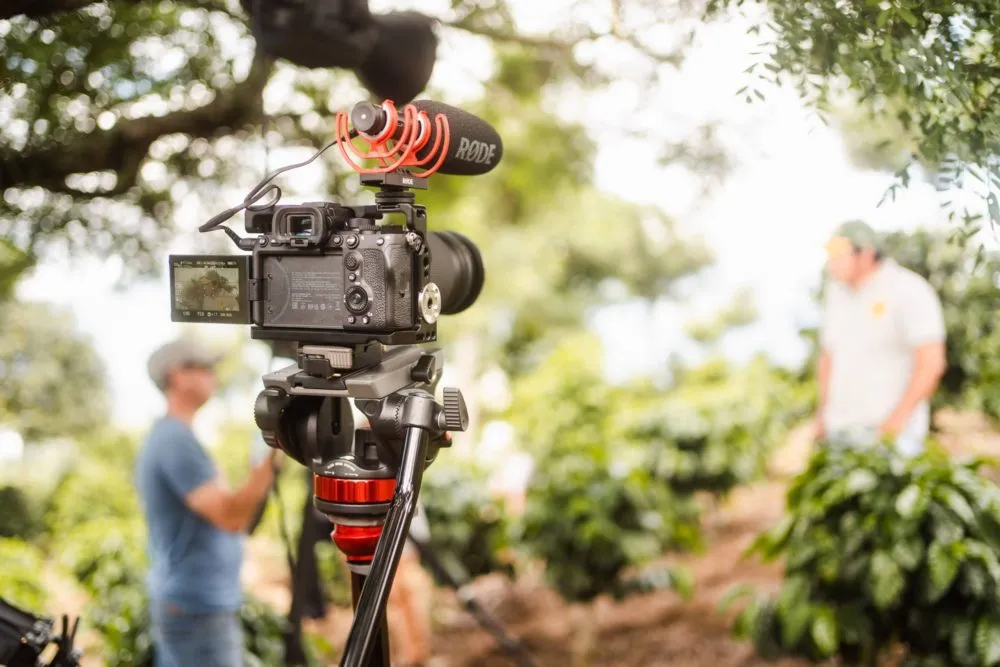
{"points": [[883, 346]]}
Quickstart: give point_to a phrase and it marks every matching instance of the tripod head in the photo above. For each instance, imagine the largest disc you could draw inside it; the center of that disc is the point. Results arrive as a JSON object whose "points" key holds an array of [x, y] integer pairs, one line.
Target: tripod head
{"points": [[367, 479]]}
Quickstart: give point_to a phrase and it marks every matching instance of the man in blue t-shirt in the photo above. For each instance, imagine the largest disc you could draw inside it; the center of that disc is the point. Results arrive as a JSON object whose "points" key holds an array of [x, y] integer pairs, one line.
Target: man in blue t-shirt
{"points": [[196, 523]]}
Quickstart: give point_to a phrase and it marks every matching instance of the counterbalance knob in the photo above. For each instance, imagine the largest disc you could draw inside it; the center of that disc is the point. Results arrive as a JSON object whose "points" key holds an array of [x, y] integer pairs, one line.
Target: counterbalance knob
{"points": [[454, 416]]}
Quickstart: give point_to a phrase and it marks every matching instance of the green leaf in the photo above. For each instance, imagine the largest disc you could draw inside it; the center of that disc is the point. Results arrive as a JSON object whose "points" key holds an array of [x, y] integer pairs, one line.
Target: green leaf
{"points": [[734, 593], [907, 16], [908, 553], [957, 503], [943, 567], [861, 481], [912, 502], [962, 642], [824, 631], [888, 581], [794, 622], [883, 18], [988, 641]]}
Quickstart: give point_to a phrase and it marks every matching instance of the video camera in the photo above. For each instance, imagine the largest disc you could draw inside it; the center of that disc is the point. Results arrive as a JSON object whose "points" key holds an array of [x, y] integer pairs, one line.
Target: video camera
{"points": [[331, 274]]}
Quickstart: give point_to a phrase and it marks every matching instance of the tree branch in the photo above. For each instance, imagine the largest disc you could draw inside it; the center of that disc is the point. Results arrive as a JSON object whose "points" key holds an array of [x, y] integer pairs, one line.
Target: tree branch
{"points": [[38, 8], [123, 147], [563, 46]]}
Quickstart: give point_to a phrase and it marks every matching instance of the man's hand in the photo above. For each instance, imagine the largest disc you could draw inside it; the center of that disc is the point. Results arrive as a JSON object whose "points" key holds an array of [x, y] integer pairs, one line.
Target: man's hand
{"points": [[894, 425]]}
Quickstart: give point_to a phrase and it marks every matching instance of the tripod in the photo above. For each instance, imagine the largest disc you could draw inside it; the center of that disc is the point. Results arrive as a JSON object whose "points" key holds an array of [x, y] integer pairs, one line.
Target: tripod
{"points": [[366, 480]]}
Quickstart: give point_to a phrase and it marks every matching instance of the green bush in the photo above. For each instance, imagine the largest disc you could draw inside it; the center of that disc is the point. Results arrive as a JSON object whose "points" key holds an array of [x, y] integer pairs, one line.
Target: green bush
{"points": [[597, 516], [263, 633], [469, 529], [20, 515], [334, 576], [120, 615], [91, 491], [878, 551], [715, 429], [21, 566], [104, 554]]}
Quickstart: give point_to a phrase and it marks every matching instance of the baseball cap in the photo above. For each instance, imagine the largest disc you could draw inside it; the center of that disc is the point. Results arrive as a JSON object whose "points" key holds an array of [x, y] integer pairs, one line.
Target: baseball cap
{"points": [[179, 354], [853, 233]]}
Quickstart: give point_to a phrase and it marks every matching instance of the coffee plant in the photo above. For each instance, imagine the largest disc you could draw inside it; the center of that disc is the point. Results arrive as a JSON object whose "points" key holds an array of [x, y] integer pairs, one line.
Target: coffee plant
{"points": [[881, 551], [597, 517], [468, 527], [715, 429]]}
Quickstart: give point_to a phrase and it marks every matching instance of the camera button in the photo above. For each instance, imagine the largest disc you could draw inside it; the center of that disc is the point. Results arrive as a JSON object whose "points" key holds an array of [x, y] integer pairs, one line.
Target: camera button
{"points": [[351, 319], [337, 239], [365, 320], [352, 277], [351, 262], [352, 241], [380, 241]]}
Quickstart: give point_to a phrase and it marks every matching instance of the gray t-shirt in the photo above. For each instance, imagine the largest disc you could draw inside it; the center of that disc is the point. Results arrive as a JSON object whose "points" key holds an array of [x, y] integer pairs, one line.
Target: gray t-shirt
{"points": [[872, 334]]}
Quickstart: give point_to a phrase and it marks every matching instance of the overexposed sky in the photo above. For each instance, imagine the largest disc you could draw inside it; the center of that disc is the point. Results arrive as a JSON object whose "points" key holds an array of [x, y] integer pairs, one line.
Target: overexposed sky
{"points": [[792, 184]]}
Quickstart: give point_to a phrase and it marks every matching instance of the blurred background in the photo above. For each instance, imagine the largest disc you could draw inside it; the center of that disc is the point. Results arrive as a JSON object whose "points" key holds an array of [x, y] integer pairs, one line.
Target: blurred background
{"points": [[639, 366]]}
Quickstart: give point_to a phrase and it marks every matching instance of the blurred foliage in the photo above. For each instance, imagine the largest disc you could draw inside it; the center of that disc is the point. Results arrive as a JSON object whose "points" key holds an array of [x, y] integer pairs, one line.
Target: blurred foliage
{"points": [[90, 491], [616, 466], [21, 575], [52, 382], [263, 633], [469, 528], [334, 576], [964, 275], [20, 513], [932, 68], [880, 550], [121, 110], [104, 554], [597, 516], [716, 428]]}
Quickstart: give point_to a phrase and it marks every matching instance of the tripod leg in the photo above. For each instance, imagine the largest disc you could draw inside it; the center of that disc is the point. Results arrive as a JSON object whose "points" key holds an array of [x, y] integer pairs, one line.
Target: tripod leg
{"points": [[380, 642], [370, 611]]}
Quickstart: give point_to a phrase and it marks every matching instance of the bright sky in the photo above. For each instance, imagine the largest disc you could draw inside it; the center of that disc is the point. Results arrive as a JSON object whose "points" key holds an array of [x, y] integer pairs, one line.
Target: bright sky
{"points": [[793, 183]]}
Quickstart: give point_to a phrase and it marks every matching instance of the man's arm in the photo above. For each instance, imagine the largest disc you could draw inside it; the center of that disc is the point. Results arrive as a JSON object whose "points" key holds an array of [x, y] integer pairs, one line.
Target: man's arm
{"points": [[929, 365], [233, 510], [922, 322]]}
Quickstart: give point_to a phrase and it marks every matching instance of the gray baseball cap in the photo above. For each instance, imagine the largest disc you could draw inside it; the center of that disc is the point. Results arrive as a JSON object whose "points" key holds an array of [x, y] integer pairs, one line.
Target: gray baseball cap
{"points": [[179, 354]]}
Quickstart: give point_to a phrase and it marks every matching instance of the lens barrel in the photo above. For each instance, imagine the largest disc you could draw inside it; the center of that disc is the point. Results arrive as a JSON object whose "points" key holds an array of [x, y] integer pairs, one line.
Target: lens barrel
{"points": [[457, 269]]}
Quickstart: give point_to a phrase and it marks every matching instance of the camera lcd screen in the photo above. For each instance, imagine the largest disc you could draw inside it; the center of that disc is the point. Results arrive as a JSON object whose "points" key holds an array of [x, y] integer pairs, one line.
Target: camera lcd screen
{"points": [[209, 288]]}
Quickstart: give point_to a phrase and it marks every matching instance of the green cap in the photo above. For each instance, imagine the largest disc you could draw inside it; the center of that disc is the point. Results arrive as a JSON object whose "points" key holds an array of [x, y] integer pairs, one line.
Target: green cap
{"points": [[859, 233]]}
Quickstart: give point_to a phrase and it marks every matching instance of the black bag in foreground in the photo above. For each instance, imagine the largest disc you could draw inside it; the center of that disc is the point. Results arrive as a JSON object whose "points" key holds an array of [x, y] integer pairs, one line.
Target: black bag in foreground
{"points": [[24, 636]]}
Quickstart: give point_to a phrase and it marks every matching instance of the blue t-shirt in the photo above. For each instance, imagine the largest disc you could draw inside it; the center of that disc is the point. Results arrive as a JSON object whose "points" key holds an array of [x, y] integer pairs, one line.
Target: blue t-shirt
{"points": [[193, 564]]}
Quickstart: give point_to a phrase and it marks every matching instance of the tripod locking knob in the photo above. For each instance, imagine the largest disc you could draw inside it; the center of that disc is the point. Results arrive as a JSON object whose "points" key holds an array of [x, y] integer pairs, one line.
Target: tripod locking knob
{"points": [[454, 416]]}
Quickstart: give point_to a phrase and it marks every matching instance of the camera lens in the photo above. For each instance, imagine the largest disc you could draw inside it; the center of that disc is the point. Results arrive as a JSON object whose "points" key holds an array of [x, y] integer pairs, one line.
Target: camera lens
{"points": [[356, 299], [457, 270]]}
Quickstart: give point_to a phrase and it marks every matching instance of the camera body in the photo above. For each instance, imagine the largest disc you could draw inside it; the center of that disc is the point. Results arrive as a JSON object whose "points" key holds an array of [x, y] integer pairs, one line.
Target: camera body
{"points": [[321, 273]]}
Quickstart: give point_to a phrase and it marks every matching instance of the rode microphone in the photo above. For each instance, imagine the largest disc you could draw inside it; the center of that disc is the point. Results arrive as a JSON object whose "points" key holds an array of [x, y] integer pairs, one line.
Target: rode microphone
{"points": [[473, 147]]}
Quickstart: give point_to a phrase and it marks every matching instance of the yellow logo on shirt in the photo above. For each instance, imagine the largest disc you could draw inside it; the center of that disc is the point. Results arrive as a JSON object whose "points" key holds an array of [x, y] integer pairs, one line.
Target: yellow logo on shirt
{"points": [[878, 308]]}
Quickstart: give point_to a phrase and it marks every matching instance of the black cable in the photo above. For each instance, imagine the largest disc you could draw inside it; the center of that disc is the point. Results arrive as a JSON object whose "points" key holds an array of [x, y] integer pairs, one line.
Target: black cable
{"points": [[264, 188]]}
